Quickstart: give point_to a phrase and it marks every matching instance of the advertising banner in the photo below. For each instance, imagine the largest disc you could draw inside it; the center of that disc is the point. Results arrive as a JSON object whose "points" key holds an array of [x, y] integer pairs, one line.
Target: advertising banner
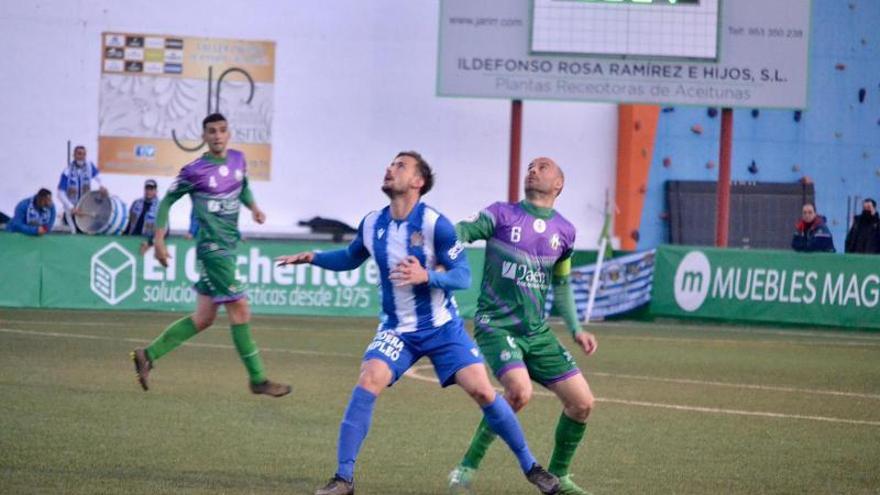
{"points": [[732, 53], [156, 89], [767, 286], [93, 272]]}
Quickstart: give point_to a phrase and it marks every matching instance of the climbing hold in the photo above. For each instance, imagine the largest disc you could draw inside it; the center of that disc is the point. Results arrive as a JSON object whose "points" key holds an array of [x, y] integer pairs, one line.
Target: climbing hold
{"points": [[753, 167], [667, 162], [795, 168], [710, 165], [862, 94], [697, 129], [712, 112], [797, 115], [755, 113], [840, 66]]}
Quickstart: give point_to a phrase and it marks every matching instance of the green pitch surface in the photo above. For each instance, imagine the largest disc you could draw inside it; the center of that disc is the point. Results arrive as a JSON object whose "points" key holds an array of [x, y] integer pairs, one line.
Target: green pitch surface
{"points": [[681, 409]]}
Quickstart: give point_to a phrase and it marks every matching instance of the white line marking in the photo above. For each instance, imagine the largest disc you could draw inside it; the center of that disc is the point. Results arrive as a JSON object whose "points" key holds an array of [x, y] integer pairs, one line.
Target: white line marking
{"points": [[413, 373], [738, 385], [188, 344]]}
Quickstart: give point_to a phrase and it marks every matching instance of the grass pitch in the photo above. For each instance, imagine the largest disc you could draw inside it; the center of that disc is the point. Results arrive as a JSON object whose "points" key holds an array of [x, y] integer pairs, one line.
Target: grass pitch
{"points": [[682, 409]]}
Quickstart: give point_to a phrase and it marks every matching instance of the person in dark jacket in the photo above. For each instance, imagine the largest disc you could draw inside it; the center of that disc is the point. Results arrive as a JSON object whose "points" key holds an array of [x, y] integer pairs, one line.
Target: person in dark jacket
{"points": [[34, 215], [864, 235], [811, 234]]}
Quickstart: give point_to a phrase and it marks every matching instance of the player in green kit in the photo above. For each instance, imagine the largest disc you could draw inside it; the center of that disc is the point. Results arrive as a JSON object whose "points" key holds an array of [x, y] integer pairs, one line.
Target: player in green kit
{"points": [[528, 253], [218, 185]]}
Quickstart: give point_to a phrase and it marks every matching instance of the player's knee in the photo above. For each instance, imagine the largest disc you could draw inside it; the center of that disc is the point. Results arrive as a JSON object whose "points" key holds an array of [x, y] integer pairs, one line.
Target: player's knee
{"points": [[580, 409], [202, 322], [374, 380], [519, 397], [483, 395]]}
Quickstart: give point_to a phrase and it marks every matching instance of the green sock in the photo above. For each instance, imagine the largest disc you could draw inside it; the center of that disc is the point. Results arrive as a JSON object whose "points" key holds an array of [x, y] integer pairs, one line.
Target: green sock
{"points": [[568, 436], [177, 333], [248, 351], [483, 438]]}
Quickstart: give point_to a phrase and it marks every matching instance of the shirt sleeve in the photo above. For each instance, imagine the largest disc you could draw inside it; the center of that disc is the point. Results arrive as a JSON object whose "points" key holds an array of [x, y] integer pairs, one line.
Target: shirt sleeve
{"points": [[246, 196], [345, 259], [180, 187], [450, 254], [563, 293], [480, 228]]}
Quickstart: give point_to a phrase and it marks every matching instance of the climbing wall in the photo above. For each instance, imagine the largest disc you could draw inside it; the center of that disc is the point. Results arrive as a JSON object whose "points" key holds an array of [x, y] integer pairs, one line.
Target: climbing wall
{"points": [[835, 143]]}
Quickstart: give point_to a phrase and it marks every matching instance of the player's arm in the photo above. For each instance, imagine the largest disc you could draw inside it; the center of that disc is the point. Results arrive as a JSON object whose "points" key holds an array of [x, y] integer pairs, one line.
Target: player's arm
{"points": [[480, 228], [97, 180], [178, 189], [246, 196], [450, 255], [339, 260], [563, 300]]}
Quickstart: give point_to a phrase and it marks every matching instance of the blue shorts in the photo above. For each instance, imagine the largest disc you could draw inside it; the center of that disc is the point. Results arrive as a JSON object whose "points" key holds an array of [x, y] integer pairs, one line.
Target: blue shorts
{"points": [[449, 348]]}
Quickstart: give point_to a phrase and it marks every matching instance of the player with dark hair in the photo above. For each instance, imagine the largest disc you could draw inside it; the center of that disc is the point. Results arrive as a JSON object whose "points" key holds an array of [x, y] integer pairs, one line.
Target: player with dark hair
{"points": [[409, 241], [218, 185], [528, 252]]}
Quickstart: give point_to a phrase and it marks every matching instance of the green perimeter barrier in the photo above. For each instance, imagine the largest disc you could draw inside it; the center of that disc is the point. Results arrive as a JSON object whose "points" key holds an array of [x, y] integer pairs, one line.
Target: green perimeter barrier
{"points": [[94, 272], [767, 286]]}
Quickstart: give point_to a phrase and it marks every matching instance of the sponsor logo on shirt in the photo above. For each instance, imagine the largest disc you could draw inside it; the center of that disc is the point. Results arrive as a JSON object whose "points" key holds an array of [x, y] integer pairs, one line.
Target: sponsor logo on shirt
{"points": [[554, 242], [523, 275], [539, 226], [455, 250]]}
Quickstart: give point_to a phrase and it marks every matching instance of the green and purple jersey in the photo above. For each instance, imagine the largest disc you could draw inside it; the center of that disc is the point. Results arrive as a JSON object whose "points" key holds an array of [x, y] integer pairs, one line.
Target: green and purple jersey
{"points": [[528, 252], [218, 187]]}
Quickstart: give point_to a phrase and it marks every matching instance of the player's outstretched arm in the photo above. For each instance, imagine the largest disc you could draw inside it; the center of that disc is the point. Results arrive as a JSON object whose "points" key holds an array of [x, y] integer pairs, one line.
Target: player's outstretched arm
{"points": [[474, 229], [296, 259]]}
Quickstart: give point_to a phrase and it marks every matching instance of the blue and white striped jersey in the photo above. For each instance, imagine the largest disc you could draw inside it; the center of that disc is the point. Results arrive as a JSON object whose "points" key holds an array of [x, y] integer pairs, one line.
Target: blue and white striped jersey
{"points": [[425, 234]]}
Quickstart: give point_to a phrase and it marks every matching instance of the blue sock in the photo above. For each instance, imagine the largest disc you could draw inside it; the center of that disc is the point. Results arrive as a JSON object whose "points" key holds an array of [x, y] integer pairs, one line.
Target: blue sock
{"points": [[502, 420], [353, 430]]}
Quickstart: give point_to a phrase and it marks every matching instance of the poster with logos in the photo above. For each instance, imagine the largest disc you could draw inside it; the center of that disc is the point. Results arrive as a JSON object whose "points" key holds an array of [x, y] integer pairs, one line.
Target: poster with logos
{"points": [[156, 89]]}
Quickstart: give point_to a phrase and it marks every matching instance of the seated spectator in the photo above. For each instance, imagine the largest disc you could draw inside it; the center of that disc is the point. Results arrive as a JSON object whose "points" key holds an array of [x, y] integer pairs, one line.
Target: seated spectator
{"points": [[76, 180], [142, 215], [864, 235], [34, 215], [811, 235]]}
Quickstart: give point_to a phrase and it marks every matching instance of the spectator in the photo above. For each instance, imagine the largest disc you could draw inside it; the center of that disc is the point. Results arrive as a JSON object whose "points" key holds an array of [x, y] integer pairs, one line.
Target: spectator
{"points": [[864, 235], [34, 215], [77, 179], [811, 235], [142, 216]]}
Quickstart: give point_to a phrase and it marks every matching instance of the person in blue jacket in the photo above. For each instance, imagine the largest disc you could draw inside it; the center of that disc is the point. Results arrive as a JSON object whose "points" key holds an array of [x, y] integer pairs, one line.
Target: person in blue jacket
{"points": [[811, 234], [34, 215]]}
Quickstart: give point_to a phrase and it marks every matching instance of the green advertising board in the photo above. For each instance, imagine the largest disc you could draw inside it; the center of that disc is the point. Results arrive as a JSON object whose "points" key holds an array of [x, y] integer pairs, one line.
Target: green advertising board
{"points": [[93, 272], [767, 286]]}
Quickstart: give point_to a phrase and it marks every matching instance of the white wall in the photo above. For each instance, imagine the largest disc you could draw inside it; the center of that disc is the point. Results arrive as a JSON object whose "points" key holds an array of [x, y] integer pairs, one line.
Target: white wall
{"points": [[355, 84]]}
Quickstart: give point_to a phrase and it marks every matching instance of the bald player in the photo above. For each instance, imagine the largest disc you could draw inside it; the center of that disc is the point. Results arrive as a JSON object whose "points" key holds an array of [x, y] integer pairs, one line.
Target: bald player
{"points": [[528, 253]]}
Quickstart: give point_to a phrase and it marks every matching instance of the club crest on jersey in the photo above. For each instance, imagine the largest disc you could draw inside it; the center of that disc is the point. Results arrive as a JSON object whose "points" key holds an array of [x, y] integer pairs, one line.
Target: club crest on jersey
{"points": [[224, 170], [417, 239], [554, 242], [505, 355], [380, 233], [539, 226]]}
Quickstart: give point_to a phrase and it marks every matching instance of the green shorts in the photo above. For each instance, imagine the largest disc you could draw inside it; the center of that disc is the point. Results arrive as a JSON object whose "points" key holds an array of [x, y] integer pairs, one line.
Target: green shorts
{"points": [[217, 277], [541, 354]]}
